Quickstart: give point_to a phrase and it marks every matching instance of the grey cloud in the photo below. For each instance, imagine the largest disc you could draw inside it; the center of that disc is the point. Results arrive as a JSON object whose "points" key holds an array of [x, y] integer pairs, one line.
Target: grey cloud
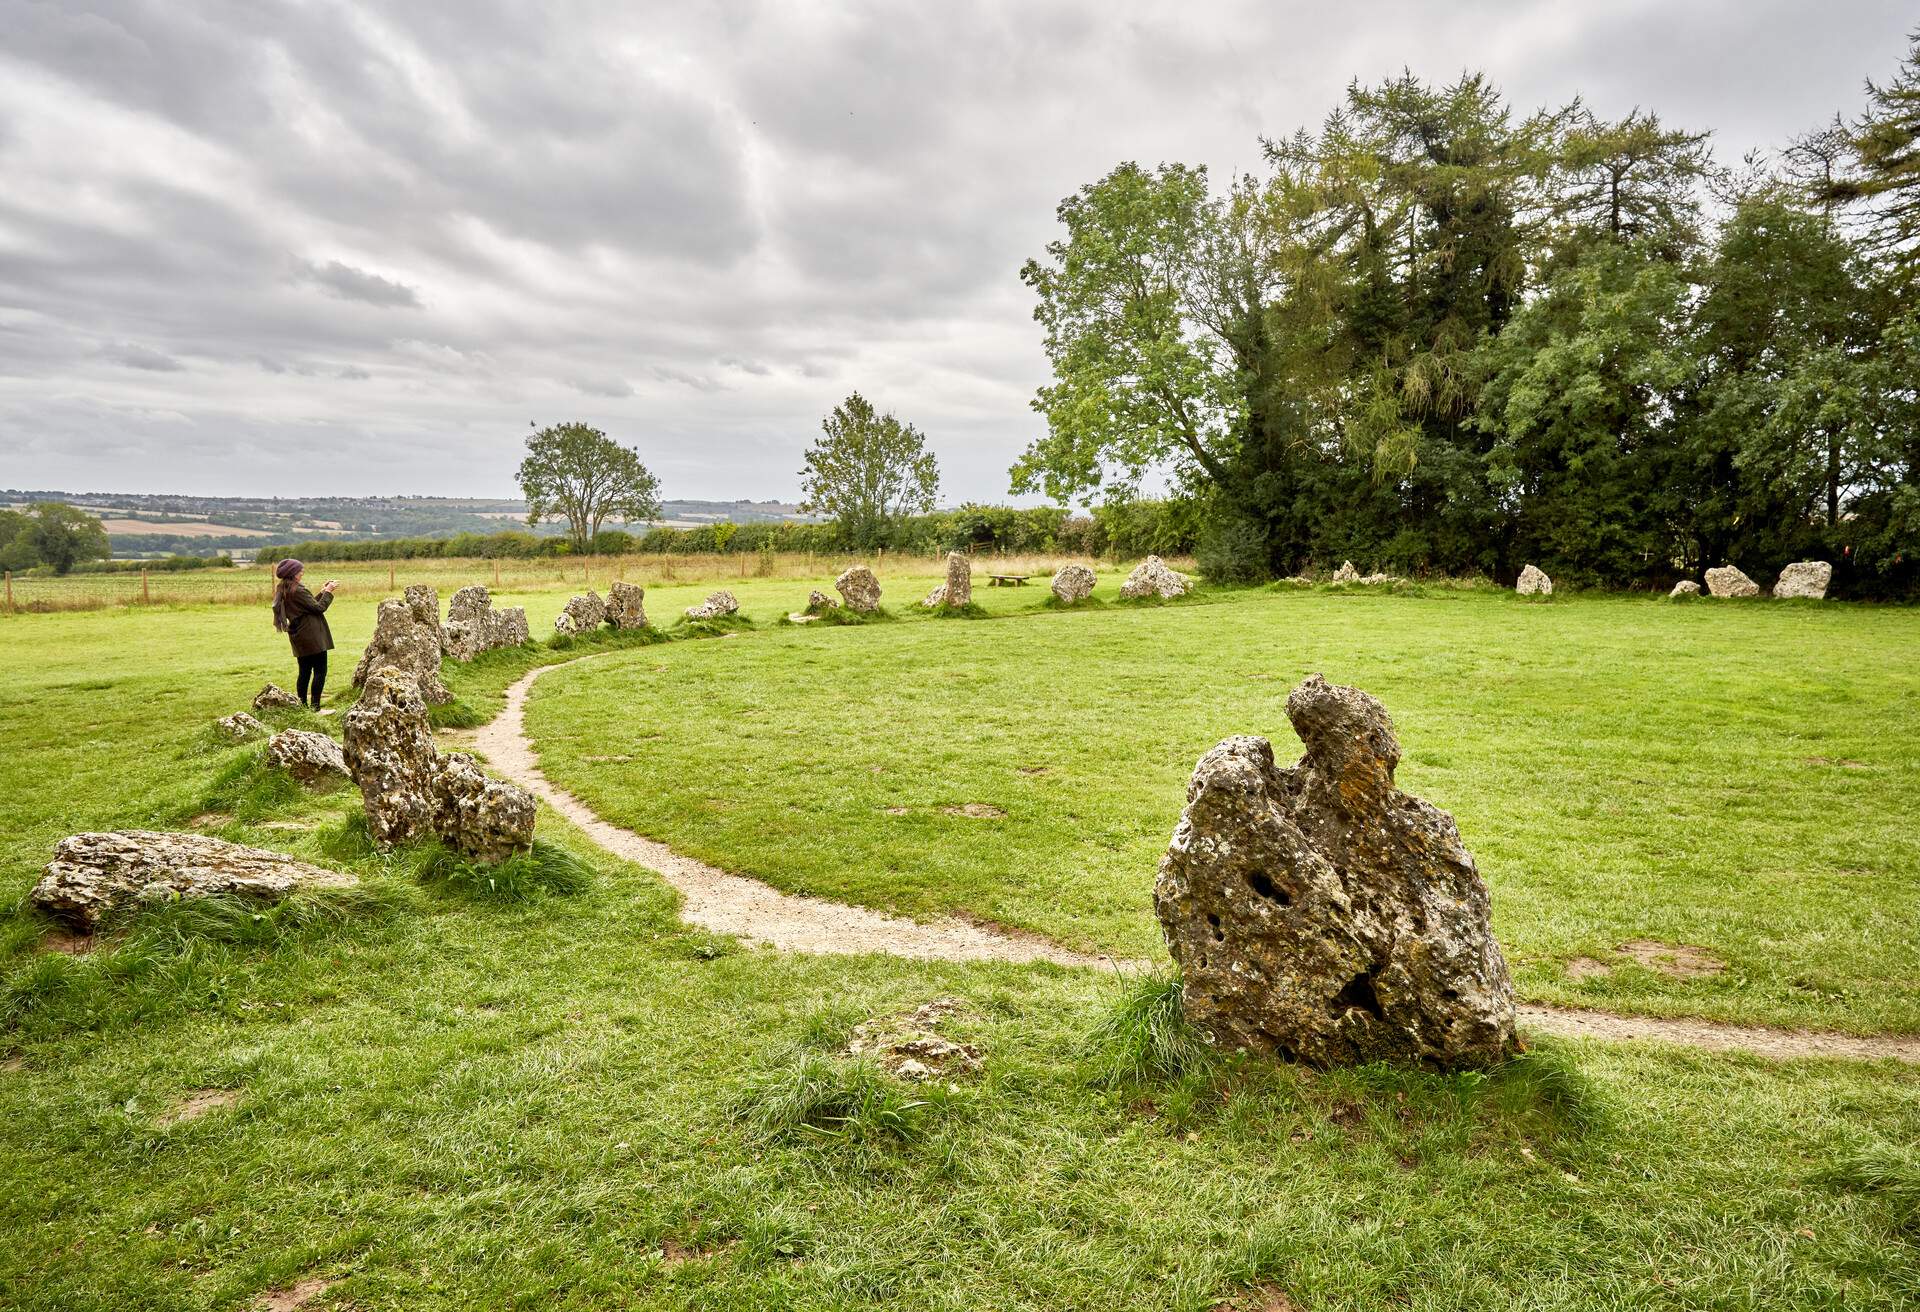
{"points": [[353, 373], [613, 387], [353, 284], [140, 357]]}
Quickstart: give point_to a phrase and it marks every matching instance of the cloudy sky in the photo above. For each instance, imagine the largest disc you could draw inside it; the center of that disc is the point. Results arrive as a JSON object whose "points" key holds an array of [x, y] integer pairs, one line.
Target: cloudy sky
{"points": [[306, 246]]}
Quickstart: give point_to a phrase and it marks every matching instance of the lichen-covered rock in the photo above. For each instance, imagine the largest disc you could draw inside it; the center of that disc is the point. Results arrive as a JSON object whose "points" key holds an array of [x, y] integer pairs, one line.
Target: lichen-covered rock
{"points": [[938, 597], [626, 606], [1346, 573], [819, 603], [909, 1048], [274, 698], [390, 754], [1073, 584], [240, 726], [407, 636], [859, 588], [1152, 578], [1318, 913], [1728, 581], [96, 873], [1534, 583], [1805, 578], [489, 819], [716, 605], [312, 758], [1380, 578], [474, 627], [581, 614], [958, 591], [1685, 588]]}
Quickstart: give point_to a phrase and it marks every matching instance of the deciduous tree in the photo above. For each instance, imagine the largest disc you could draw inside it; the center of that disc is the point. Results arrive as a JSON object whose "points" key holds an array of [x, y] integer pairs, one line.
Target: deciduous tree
{"points": [[580, 474], [867, 470]]}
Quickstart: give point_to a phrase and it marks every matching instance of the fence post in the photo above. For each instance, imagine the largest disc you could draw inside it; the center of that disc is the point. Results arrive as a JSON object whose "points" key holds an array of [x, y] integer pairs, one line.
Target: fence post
{"points": [[146, 597], [496, 571], [9, 589], [389, 576]]}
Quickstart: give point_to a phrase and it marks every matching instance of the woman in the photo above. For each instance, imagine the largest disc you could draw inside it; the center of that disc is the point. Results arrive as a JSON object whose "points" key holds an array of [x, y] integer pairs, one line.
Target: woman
{"points": [[303, 618]]}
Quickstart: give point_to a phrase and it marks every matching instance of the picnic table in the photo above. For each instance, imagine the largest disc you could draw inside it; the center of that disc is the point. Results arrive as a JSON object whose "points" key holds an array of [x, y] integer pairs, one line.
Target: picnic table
{"points": [[1008, 580]]}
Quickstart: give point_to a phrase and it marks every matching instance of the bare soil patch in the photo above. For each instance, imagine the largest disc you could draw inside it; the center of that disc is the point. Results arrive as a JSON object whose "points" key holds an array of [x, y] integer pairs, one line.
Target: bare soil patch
{"points": [[1674, 960], [289, 1298], [66, 943], [210, 820], [198, 1103], [897, 810], [1036, 769], [1261, 1298], [1587, 968], [976, 811], [1841, 761]]}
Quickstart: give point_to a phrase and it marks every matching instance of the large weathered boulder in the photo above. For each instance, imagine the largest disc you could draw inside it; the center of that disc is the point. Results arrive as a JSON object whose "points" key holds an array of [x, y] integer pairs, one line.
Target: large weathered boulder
{"points": [[312, 758], [1320, 914], [97, 873], [240, 726], [1805, 578], [407, 636], [581, 614], [626, 606], [1152, 578], [958, 591], [390, 754], [1073, 584], [1346, 573], [490, 819], [274, 698], [1685, 588], [859, 588], [716, 605], [473, 626], [1728, 581], [1534, 583]]}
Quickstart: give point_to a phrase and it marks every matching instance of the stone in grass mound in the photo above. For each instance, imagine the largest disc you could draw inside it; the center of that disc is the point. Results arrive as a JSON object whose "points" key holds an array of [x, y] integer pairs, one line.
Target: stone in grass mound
{"points": [[1807, 579], [407, 636], [96, 873], [1152, 578], [474, 627], [1318, 913], [1685, 588], [1073, 584], [273, 698], [908, 1048], [312, 758], [488, 819], [581, 614], [716, 605], [859, 588], [819, 603], [1728, 581], [626, 606], [1534, 583], [240, 726], [1346, 573]]}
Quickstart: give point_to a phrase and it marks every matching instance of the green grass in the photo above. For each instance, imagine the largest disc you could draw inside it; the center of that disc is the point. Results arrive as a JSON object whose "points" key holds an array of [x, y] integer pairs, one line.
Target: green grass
{"points": [[1738, 778], [453, 1101]]}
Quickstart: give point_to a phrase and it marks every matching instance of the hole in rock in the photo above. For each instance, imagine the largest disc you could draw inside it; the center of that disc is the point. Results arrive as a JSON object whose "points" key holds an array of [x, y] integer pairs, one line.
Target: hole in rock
{"points": [[1267, 889], [1358, 993], [1213, 921]]}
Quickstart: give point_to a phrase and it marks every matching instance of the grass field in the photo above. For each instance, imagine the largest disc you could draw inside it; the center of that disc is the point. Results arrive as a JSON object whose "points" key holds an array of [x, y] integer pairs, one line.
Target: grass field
{"points": [[430, 1097]]}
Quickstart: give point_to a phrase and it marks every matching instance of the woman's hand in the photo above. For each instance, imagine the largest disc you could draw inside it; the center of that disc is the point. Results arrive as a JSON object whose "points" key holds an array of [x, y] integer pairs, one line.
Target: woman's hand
{"points": [[330, 585]]}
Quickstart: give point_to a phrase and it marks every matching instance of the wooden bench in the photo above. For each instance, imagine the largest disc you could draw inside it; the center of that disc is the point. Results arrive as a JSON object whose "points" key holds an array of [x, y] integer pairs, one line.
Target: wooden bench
{"points": [[1008, 580]]}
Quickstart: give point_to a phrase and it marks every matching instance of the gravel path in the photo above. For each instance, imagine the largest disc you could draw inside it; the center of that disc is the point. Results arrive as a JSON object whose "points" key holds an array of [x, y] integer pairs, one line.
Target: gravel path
{"points": [[756, 913]]}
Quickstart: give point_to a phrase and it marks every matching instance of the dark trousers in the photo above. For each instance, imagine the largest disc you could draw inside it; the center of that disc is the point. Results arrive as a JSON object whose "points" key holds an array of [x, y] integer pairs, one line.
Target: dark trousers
{"points": [[313, 676]]}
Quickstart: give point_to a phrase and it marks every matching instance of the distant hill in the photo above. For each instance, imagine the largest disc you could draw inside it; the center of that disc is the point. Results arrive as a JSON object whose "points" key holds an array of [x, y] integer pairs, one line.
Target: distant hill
{"points": [[160, 524]]}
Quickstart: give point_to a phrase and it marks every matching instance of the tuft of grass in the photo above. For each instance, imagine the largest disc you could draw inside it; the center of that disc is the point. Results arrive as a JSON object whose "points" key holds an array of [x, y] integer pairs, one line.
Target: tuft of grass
{"points": [[456, 714], [1884, 1171], [1144, 1037], [718, 627], [813, 1094], [1051, 602], [250, 788], [973, 610], [543, 871], [847, 615]]}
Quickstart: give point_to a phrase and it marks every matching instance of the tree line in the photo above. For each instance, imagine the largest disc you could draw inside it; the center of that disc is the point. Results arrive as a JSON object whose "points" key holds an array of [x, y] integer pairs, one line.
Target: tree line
{"points": [[1439, 335]]}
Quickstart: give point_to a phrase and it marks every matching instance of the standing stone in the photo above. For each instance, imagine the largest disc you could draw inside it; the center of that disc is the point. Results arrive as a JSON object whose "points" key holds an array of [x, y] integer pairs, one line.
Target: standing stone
{"points": [[473, 626], [1534, 583], [1346, 573], [1152, 578], [489, 819], [819, 603], [97, 873], [1805, 578], [312, 758], [1320, 914], [1685, 588], [1073, 584], [717, 604], [390, 754], [581, 614], [1727, 581], [860, 589], [274, 698], [626, 606], [958, 591], [407, 636], [240, 726]]}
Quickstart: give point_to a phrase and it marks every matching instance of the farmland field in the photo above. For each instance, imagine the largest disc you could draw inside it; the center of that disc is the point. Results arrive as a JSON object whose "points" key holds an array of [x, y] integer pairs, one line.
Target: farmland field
{"points": [[436, 1098]]}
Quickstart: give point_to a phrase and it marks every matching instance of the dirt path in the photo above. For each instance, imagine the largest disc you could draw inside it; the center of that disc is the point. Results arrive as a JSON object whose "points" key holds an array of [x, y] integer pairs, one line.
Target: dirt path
{"points": [[757, 913]]}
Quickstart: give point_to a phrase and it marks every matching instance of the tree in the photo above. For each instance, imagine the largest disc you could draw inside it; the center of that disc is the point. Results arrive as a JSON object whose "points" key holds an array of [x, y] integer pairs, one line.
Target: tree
{"points": [[580, 474], [16, 550], [60, 536], [867, 470], [1632, 182], [1886, 145]]}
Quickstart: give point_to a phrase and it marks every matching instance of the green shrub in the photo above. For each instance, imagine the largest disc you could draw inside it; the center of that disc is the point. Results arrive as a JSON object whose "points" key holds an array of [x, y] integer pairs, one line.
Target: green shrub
{"points": [[1144, 1037], [813, 1094]]}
